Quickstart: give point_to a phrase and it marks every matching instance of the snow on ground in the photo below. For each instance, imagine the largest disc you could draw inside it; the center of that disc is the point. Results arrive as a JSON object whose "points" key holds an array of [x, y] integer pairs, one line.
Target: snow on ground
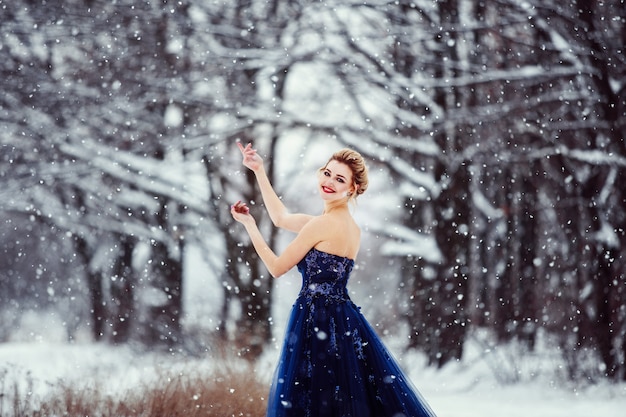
{"points": [[456, 391]]}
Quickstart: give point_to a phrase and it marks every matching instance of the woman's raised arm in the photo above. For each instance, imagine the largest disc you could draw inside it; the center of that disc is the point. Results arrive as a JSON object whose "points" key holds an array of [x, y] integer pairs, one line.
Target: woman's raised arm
{"points": [[276, 209]]}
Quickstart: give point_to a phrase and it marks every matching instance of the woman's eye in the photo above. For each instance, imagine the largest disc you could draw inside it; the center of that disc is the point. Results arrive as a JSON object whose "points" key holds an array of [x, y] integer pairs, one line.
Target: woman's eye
{"points": [[340, 180], [326, 173]]}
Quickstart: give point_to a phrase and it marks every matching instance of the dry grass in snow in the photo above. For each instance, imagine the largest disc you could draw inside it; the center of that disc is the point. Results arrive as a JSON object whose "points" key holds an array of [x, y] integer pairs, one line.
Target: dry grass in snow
{"points": [[222, 393]]}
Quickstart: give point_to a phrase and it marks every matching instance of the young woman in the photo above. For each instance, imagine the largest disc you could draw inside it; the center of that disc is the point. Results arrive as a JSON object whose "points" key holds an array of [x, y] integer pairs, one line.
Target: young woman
{"points": [[332, 362]]}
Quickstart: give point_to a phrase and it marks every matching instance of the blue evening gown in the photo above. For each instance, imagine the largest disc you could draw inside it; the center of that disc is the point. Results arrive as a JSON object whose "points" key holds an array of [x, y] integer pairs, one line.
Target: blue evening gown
{"points": [[332, 362]]}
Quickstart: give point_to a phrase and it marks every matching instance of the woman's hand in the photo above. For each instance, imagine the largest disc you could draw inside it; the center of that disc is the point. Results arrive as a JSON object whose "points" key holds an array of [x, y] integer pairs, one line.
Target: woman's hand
{"points": [[241, 213], [251, 159]]}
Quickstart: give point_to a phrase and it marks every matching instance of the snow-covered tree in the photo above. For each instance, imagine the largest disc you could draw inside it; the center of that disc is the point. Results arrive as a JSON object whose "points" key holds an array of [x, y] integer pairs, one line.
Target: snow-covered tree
{"points": [[501, 124]]}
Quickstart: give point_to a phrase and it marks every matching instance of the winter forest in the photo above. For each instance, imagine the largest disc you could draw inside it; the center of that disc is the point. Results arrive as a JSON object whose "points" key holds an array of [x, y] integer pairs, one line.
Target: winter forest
{"points": [[494, 131]]}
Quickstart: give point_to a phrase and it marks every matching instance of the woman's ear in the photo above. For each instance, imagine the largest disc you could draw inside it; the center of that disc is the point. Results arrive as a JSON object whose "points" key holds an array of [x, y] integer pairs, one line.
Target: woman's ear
{"points": [[352, 191]]}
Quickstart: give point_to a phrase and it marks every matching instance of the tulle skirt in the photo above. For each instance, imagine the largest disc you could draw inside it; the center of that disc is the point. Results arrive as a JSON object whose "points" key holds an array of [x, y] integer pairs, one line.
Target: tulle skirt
{"points": [[333, 364]]}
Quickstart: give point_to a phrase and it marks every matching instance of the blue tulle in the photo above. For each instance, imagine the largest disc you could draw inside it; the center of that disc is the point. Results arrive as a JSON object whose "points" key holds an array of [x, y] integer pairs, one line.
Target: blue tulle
{"points": [[332, 362]]}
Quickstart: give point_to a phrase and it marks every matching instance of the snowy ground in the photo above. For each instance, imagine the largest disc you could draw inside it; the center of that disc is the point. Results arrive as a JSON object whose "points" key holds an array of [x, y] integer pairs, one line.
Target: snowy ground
{"points": [[458, 393], [455, 391]]}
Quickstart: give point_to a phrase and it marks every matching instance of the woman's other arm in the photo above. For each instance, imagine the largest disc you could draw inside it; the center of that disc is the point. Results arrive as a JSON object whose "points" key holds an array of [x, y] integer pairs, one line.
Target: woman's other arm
{"points": [[307, 238]]}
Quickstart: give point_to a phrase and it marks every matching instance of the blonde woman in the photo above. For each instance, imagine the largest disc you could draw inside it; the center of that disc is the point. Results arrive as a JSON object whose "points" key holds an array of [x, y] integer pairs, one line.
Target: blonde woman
{"points": [[332, 363]]}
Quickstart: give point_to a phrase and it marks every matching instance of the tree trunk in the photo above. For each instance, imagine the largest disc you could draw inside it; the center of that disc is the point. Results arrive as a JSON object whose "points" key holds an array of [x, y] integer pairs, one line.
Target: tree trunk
{"points": [[122, 292], [96, 292], [164, 323]]}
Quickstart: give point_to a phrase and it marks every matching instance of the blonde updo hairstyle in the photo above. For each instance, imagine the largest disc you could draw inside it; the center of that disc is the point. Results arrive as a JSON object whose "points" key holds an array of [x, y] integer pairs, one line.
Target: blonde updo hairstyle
{"points": [[356, 163]]}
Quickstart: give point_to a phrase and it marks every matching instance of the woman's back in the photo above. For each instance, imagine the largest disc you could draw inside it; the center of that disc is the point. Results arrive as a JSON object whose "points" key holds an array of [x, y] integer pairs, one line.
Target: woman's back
{"points": [[341, 235]]}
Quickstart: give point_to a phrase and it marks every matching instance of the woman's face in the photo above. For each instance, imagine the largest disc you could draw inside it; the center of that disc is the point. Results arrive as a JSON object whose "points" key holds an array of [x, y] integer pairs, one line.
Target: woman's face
{"points": [[335, 181]]}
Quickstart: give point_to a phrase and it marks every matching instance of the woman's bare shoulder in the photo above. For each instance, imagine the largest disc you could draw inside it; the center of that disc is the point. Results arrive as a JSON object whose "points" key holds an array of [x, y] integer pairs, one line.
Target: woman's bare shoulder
{"points": [[337, 235], [322, 226], [316, 221], [335, 224]]}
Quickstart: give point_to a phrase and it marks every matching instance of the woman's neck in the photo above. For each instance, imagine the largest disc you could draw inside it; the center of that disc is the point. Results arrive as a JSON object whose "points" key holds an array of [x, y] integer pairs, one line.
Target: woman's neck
{"points": [[335, 206]]}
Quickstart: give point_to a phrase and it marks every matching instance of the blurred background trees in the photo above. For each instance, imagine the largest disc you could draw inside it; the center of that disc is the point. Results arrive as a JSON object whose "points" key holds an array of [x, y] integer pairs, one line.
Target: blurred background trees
{"points": [[501, 127]]}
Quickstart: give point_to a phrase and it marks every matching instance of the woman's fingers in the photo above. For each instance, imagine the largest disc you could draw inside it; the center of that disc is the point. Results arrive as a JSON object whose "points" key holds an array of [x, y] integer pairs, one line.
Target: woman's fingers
{"points": [[240, 207], [246, 151], [251, 158]]}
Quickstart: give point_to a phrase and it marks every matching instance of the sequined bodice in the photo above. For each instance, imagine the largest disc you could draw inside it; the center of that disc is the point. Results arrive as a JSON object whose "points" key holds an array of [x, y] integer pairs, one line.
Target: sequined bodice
{"points": [[325, 275]]}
